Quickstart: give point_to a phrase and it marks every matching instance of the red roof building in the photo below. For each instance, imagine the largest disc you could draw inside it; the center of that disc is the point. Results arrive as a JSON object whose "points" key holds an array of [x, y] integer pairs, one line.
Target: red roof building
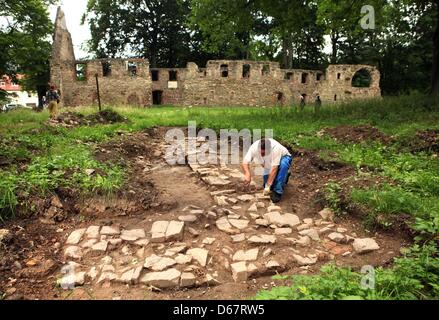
{"points": [[7, 84]]}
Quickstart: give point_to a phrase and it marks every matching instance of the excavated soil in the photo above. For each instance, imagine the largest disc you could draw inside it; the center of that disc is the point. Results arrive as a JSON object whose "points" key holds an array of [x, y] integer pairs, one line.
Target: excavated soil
{"points": [[357, 134], [32, 256], [75, 119]]}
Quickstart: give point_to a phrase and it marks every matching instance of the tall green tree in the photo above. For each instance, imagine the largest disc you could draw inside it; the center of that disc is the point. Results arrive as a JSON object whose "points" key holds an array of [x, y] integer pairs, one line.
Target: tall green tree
{"points": [[152, 29], [24, 42]]}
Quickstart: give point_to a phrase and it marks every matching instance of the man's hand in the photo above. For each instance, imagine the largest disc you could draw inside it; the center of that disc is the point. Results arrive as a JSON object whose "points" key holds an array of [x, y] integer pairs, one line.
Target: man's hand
{"points": [[267, 190], [247, 179]]}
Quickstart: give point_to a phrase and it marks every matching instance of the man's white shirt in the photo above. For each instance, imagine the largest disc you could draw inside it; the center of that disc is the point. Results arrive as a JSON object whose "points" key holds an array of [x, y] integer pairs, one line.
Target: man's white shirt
{"points": [[272, 157]]}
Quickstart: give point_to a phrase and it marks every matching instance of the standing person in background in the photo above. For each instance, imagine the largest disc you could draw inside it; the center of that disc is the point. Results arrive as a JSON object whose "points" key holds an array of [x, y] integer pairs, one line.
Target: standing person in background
{"points": [[52, 98], [302, 102], [318, 104]]}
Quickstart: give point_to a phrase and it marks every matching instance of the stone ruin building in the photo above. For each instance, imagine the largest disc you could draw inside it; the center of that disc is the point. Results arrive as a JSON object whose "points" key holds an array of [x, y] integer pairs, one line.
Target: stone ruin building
{"points": [[221, 83]]}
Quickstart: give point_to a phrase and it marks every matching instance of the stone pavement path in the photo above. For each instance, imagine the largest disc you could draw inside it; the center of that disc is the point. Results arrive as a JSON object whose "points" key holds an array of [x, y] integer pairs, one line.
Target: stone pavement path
{"points": [[236, 237]]}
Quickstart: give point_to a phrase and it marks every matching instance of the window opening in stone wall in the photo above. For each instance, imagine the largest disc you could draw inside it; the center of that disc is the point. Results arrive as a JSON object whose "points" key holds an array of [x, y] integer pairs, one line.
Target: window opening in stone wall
{"points": [[338, 76], [362, 79], [246, 71], [288, 76], [81, 72], [265, 69], [280, 96], [224, 70], [106, 68], [172, 75], [319, 76], [132, 68], [335, 97], [305, 77], [154, 75], [157, 96]]}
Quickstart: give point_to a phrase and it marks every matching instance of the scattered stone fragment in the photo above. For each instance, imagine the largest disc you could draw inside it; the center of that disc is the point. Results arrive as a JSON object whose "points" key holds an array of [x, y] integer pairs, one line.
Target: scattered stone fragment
{"points": [[75, 237], [273, 208], [327, 214], [100, 246], [272, 264], [222, 192], [158, 231], [267, 252], [308, 221], [262, 239], [133, 235], [193, 232], [304, 241], [249, 255], [260, 205], [342, 230], [107, 276], [337, 237], [196, 212], [224, 225], [200, 255], [303, 227], [89, 243], [141, 242], [365, 245], [216, 181], [239, 271], [157, 263], [262, 222], [110, 231], [92, 273], [165, 279], [324, 230]]}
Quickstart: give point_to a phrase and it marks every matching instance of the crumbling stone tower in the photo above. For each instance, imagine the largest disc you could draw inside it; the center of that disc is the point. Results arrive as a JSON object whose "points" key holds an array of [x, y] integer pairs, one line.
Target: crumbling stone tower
{"points": [[220, 83]]}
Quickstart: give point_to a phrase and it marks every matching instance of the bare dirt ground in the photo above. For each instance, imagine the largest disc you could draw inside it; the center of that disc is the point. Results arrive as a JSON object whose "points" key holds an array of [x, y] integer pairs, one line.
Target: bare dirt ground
{"points": [[228, 262]]}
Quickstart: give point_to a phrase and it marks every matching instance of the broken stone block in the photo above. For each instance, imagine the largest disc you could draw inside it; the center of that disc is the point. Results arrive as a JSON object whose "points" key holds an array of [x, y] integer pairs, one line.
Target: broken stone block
{"points": [[133, 235], [187, 280], [303, 227], [141, 242], [131, 276], [222, 192], [239, 271], [324, 231], [342, 230], [327, 214], [365, 245], [262, 239], [304, 241], [200, 255], [75, 237], [196, 212], [337, 237], [272, 264], [89, 243], [175, 230], [249, 255], [215, 181], [183, 259], [253, 208], [308, 221], [107, 276], [110, 231], [274, 208], [165, 279], [92, 273], [92, 232], [193, 232], [283, 231], [262, 222], [101, 246], [158, 231]]}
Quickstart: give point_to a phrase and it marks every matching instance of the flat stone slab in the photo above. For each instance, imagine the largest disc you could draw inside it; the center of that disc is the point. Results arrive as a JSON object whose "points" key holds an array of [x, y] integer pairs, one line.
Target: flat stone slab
{"points": [[133, 235], [312, 233], [188, 218], [110, 231], [167, 231], [239, 224], [305, 261], [93, 232], [245, 198], [216, 181], [75, 237], [163, 280], [73, 252], [187, 279], [239, 271], [157, 263], [224, 225]]}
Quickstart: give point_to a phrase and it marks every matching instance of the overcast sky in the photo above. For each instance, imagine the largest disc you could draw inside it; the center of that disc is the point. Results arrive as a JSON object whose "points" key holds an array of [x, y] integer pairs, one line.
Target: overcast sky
{"points": [[74, 9]]}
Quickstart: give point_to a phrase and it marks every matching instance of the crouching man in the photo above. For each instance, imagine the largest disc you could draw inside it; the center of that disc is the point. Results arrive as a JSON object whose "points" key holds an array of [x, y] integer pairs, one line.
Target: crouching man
{"points": [[276, 161]]}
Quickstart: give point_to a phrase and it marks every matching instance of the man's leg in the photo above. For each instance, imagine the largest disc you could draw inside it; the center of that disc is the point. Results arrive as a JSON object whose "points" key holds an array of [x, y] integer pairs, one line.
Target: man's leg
{"points": [[282, 175]]}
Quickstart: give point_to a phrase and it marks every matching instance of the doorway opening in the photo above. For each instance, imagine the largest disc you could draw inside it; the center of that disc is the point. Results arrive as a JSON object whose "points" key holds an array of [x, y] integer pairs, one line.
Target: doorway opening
{"points": [[157, 96]]}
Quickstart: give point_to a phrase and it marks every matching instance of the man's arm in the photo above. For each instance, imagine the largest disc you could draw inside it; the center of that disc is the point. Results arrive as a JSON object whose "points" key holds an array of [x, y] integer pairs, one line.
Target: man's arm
{"points": [[247, 173], [272, 175]]}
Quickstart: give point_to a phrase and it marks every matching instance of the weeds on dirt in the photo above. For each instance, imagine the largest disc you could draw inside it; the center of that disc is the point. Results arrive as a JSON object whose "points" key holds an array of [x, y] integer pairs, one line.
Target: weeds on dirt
{"points": [[332, 198], [414, 276]]}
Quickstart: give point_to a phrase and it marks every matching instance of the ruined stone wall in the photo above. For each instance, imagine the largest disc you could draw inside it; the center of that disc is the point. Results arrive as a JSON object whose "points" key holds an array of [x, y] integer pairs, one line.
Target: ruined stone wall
{"points": [[221, 83]]}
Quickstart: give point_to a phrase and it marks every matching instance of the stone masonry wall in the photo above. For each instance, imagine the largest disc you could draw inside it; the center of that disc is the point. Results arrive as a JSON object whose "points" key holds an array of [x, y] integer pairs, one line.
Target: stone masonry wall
{"points": [[221, 83]]}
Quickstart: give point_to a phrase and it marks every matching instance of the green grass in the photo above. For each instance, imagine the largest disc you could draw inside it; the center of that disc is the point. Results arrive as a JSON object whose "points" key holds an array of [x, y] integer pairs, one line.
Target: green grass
{"points": [[411, 185]]}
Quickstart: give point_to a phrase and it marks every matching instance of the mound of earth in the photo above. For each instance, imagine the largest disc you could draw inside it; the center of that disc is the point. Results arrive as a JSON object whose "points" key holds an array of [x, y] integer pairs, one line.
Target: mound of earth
{"points": [[75, 119], [357, 134], [427, 140]]}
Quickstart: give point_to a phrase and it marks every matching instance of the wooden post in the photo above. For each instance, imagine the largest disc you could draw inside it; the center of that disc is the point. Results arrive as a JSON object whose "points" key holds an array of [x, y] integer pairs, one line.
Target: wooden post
{"points": [[99, 94]]}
